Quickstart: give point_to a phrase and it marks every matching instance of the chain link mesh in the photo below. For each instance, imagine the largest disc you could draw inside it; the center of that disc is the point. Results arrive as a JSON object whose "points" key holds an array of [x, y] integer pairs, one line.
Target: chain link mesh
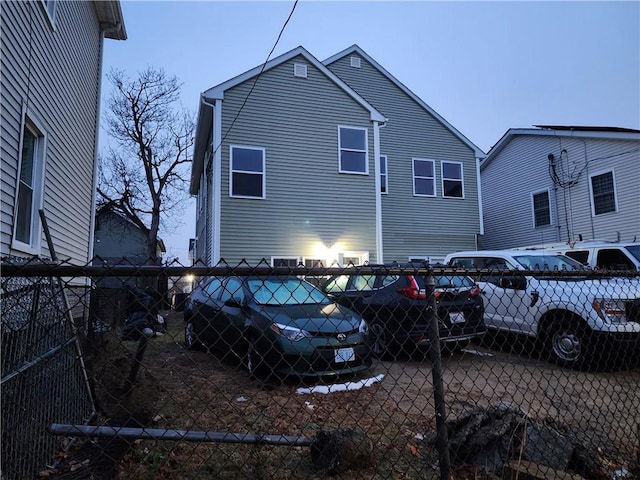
{"points": [[251, 372]]}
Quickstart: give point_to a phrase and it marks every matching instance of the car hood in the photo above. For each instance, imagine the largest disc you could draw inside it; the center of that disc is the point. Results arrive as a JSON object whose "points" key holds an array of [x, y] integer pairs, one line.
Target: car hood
{"points": [[314, 318]]}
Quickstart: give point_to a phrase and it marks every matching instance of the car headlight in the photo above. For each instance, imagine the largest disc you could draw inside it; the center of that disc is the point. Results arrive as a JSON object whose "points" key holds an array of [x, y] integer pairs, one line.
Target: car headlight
{"points": [[610, 310], [290, 333], [363, 328]]}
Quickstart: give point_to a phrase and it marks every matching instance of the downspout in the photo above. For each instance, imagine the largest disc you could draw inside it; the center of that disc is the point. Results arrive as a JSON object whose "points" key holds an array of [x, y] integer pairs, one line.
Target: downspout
{"points": [[214, 191], [377, 183], [480, 209], [94, 188]]}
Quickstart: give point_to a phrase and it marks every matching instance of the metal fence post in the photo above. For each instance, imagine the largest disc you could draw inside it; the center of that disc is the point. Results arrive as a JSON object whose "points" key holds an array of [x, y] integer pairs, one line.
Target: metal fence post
{"points": [[442, 439]]}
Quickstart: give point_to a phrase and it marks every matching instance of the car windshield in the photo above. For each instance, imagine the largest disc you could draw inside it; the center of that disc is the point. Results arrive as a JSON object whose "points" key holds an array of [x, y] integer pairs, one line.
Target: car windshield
{"points": [[285, 291], [634, 250], [548, 262]]}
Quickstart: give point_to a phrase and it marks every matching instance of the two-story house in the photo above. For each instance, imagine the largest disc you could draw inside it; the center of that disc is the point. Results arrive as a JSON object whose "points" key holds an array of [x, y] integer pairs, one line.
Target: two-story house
{"points": [[50, 103], [561, 184], [324, 163]]}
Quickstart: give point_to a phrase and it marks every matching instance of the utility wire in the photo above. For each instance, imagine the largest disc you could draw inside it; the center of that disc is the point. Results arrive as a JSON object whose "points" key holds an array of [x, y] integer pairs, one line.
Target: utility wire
{"points": [[295, 3]]}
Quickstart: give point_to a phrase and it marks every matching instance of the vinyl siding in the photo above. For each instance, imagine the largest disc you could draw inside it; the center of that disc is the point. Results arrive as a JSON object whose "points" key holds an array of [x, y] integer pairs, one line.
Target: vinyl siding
{"points": [[522, 167], [416, 225], [307, 201], [57, 75]]}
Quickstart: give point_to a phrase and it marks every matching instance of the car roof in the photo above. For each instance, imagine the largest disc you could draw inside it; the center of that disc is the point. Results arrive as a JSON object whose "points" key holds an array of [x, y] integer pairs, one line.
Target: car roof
{"points": [[509, 253]]}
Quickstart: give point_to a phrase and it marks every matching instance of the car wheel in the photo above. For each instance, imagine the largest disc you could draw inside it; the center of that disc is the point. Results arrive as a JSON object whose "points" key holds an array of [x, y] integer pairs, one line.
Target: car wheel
{"points": [[567, 342], [190, 337], [256, 363], [380, 345]]}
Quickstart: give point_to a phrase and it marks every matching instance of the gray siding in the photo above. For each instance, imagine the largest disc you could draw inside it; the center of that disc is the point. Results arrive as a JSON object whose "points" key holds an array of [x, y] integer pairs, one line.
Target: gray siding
{"points": [[57, 74], [414, 226], [522, 167], [307, 201]]}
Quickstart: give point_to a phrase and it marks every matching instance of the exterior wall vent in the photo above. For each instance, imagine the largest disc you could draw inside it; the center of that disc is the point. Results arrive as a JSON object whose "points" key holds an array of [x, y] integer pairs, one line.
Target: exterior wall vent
{"points": [[355, 62], [300, 70]]}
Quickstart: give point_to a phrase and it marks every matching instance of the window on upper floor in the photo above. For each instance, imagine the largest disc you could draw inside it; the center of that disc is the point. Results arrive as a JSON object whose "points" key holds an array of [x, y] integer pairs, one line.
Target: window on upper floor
{"points": [[541, 209], [424, 179], [383, 174], [603, 193], [29, 188], [49, 7], [352, 150], [247, 172], [452, 180]]}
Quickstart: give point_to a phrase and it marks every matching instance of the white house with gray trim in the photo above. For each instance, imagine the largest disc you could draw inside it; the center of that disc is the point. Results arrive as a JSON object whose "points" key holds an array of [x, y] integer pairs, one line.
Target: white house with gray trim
{"points": [[50, 102], [561, 184], [302, 161]]}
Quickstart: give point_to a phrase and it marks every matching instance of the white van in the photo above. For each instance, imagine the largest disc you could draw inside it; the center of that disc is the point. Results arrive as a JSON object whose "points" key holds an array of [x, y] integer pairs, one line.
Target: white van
{"points": [[597, 254]]}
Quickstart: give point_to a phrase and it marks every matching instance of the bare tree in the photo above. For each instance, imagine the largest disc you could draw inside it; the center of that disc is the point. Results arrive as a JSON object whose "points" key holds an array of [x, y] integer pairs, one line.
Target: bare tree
{"points": [[144, 174]]}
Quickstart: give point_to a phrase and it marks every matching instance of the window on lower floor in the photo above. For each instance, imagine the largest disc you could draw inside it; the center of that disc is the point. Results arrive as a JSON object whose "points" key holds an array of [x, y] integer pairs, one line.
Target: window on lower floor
{"points": [[383, 174], [26, 232], [603, 193], [452, 181], [352, 150], [247, 172], [541, 209], [424, 180], [289, 262]]}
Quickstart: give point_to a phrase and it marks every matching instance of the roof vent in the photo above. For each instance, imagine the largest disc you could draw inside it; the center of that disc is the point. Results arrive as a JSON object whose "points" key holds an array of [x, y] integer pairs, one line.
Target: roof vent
{"points": [[300, 70], [355, 62]]}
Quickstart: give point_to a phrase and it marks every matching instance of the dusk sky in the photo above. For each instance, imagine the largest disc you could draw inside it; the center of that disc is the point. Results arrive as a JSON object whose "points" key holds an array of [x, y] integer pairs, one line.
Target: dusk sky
{"points": [[483, 66]]}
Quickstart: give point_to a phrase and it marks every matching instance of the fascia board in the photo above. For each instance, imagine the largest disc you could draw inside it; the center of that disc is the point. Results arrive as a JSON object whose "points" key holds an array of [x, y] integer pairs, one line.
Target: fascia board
{"points": [[513, 132], [109, 13], [217, 92], [203, 127], [356, 49]]}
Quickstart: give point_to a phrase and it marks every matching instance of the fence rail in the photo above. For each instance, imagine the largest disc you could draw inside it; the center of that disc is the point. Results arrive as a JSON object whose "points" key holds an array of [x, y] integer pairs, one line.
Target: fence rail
{"points": [[360, 372]]}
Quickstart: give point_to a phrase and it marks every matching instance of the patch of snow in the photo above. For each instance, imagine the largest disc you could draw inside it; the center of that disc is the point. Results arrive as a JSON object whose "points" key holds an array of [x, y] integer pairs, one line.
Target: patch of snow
{"points": [[341, 387]]}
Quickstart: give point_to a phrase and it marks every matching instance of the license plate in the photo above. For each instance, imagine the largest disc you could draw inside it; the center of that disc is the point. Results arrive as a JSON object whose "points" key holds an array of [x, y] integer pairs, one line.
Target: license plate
{"points": [[456, 317], [343, 355]]}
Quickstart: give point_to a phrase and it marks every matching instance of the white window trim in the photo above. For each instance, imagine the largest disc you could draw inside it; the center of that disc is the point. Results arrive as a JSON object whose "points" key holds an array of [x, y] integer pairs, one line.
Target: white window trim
{"points": [[362, 255], [34, 245], [442, 178], [355, 62], [284, 257], [533, 208], [615, 192], [414, 177], [263, 173], [49, 8], [304, 261], [365, 151], [385, 184]]}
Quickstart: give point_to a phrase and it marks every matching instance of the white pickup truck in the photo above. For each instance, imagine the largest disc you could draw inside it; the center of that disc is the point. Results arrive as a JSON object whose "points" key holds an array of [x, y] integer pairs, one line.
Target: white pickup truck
{"points": [[579, 321]]}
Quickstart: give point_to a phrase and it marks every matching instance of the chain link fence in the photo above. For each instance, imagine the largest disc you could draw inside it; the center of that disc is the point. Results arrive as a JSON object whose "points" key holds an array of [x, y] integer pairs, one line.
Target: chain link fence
{"points": [[390, 372]]}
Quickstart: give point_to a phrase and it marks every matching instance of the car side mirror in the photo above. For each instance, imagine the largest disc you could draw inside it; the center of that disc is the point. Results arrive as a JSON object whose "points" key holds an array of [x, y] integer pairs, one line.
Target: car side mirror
{"points": [[234, 302], [513, 283]]}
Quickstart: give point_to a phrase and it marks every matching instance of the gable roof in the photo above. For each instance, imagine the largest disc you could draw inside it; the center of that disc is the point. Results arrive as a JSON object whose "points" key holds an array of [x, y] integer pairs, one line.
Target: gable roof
{"points": [[205, 114], [356, 49], [611, 133]]}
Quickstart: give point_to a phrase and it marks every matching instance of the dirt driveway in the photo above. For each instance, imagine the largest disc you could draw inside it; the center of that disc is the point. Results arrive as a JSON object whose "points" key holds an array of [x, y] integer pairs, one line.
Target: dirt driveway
{"points": [[180, 389]]}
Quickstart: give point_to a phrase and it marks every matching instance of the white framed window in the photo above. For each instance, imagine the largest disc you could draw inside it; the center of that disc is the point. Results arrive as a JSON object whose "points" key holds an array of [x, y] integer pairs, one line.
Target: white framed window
{"points": [[346, 259], [314, 262], [289, 262], [247, 175], [29, 188], [300, 70], [452, 180], [355, 62], [424, 177], [49, 6], [541, 208], [383, 174], [353, 150], [602, 186]]}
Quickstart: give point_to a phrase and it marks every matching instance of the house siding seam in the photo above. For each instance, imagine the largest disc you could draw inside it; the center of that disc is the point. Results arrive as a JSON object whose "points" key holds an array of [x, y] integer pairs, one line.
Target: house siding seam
{"points": [[307, 201], [436, 225], [61, 95], [523, 165]]}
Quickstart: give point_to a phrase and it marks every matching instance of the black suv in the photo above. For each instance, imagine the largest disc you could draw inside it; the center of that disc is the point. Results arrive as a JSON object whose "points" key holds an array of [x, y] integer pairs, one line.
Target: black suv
{"points": [[395, 308]]}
